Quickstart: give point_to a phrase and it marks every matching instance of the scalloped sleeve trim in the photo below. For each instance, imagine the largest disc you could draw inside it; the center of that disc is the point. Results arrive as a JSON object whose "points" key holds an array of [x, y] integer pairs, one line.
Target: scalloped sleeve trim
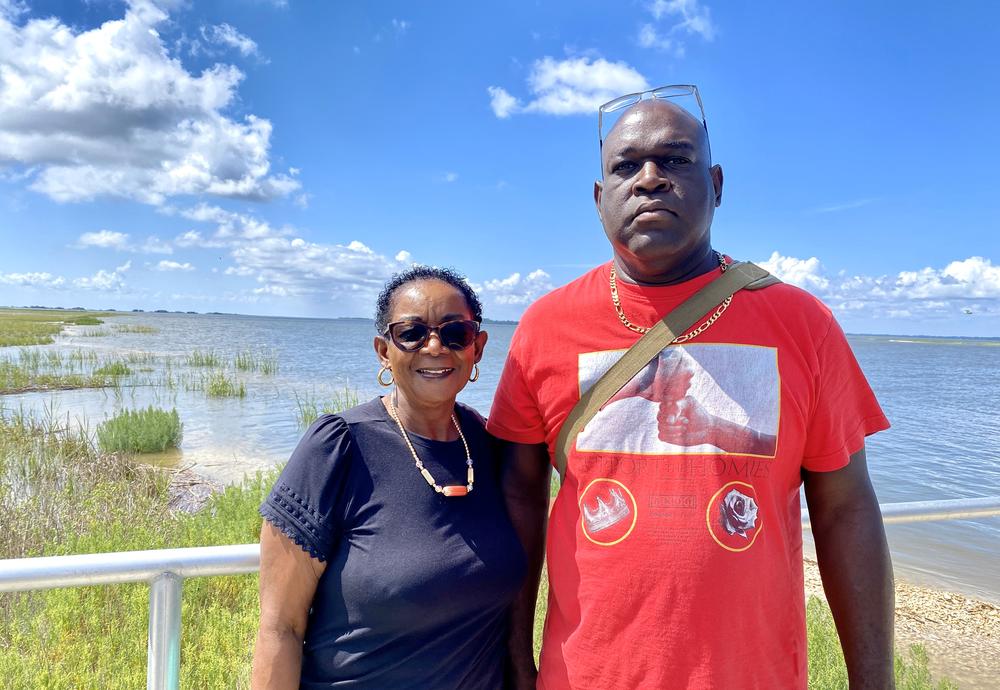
{"points": [[288, 512]]}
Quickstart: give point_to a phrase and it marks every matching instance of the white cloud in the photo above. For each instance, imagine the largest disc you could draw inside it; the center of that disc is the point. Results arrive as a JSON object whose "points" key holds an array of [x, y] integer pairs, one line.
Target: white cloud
{"points": [[649, 37], [690, 16], [569, 87], [109, 112], [227, 35], [154, 245], [448, 177], [516, 290], [502, 103], [400, 25], [105, 281], [12, 8], [174, 266], [120, 241], [843, 206], [292, 267], [44, 280], [969, 286], [804, 273], [106, 239]]}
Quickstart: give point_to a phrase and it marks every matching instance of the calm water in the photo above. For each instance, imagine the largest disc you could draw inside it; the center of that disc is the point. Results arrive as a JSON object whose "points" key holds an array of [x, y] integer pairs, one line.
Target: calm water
{"points": [[940, 398]]}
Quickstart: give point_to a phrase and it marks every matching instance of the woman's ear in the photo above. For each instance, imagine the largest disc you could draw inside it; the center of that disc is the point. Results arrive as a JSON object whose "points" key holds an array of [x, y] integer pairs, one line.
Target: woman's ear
{"points": [[381, 350], [480, 344]]}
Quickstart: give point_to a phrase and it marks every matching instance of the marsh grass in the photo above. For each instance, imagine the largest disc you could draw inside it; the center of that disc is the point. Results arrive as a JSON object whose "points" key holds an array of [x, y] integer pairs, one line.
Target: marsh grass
{"points": [[39, 326], [135, 328], [247, 360], [61, 495], [218, 385], [149, 430], [206, 358], [140, 357], [113, 368], [310, 407], [91, 637], [82, 358], [95, 333], [15, 378]]}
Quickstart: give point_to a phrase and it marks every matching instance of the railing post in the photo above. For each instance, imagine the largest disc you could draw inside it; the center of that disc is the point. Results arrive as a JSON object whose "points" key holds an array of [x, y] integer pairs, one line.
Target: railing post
{"points": [[163, 660]]}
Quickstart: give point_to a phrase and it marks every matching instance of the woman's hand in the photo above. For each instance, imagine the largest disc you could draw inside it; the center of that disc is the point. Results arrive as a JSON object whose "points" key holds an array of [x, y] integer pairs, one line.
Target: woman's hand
{"points": [[288, 579]]}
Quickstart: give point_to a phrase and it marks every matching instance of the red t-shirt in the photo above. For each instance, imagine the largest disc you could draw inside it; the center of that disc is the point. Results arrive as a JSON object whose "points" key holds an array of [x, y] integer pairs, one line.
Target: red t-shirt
{"points": [[675, 544]]}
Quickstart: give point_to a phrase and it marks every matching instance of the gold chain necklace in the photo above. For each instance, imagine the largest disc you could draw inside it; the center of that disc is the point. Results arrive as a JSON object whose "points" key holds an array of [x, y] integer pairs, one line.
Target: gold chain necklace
{"points": [[642, 329], [452, 489]]}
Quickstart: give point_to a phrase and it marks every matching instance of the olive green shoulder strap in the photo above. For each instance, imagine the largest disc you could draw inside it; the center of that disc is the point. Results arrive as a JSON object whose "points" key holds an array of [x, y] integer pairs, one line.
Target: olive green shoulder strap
{"points": [[736, 277]]}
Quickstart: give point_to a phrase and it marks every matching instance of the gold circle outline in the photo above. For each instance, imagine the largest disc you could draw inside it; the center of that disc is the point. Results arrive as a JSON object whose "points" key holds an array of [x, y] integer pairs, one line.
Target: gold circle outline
{"points": [[708, 518], [635, 512]]}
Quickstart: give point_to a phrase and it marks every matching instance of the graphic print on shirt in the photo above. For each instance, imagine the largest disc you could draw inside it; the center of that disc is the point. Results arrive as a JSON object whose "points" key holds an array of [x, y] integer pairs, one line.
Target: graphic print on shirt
{"points": [[608, 512], [690, 399], [733, 518]]}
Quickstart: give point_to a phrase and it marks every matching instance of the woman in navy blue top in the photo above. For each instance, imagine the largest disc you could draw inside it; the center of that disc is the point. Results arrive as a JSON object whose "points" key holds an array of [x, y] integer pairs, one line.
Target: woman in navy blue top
{"points": [[387, 557]]}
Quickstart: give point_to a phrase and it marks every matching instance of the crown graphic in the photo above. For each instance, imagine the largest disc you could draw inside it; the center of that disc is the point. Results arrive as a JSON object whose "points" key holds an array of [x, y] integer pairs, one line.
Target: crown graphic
{"points": [[606, 514]]}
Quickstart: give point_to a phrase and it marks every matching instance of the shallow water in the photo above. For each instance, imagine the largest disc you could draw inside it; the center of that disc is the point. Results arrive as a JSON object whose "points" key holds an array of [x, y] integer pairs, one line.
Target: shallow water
{"points": [[939, 396]]}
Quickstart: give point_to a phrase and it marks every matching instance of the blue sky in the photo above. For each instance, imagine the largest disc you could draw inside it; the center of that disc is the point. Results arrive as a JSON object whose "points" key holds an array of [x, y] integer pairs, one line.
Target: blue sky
{"points": [[285, 158]]}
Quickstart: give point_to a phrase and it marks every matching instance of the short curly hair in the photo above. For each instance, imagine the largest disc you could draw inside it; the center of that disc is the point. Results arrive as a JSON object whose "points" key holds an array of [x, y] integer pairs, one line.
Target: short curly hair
{"points": [[383, 304]]}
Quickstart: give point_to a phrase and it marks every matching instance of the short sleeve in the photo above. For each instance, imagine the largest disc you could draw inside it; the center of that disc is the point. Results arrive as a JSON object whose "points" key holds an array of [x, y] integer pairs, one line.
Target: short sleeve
{"points": [[514, 415], [307, 502], [845, 409]]}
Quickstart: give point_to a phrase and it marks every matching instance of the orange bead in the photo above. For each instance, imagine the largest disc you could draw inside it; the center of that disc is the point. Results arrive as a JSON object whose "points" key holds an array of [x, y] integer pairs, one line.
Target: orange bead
{"points": [[455, 491]]}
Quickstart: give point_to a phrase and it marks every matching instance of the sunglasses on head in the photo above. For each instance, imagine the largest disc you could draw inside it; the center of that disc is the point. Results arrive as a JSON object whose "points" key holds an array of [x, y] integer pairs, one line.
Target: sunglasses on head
{"points": [[410, 336]]}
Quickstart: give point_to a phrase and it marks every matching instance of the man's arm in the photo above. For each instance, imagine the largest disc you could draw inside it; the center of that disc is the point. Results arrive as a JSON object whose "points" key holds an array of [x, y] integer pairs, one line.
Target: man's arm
{"points": [[855, 567], [526, 493]]}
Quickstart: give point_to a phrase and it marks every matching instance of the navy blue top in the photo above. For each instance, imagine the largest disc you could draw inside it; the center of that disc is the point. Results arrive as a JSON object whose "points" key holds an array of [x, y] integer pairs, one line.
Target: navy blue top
{"points": [[417, 586]]}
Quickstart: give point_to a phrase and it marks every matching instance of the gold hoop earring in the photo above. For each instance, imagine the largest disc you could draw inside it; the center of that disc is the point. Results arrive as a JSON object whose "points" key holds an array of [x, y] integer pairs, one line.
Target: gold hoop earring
{"points": [[475, 373], [382, 383]]}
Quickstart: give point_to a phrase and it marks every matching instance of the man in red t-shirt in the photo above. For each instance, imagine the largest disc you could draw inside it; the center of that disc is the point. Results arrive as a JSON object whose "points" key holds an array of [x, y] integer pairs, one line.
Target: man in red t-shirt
{"points": [[674, 546]]}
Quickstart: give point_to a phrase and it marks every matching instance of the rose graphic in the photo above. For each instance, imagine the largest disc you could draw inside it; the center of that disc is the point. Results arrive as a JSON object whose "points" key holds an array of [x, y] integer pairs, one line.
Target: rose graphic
{"points": [[739, 513]]}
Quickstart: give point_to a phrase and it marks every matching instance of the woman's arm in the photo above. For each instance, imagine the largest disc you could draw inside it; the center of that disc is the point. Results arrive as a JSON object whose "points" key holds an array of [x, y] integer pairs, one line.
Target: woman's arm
{"points": [[288, 578]]}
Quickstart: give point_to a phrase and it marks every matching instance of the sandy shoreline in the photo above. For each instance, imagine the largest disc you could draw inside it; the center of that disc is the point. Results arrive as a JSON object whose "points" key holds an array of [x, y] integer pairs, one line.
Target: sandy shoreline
{"points": [[961, 634]]}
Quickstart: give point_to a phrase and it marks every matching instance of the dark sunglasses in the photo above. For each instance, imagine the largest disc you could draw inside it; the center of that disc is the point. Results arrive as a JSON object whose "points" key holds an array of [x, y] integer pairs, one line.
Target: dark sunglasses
{"points": [[410, 336]]}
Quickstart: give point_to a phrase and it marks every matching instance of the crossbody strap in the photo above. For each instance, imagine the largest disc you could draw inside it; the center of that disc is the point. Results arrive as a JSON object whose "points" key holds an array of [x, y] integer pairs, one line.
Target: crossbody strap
{"points": [[736, 277]]}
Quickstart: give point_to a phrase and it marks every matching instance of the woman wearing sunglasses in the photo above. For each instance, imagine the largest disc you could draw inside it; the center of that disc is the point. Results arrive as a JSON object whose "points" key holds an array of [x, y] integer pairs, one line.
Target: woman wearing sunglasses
{"points": [[387, 558]]}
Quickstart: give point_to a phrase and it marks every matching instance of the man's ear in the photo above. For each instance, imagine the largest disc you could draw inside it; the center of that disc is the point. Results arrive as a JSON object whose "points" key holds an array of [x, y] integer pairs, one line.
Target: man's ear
{"points": [[717, 178], [598, 190]]}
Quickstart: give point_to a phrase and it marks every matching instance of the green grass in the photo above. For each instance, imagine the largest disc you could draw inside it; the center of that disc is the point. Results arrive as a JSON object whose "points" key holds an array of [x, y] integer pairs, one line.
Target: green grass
{"points": [[135, 328], [218, 385], [71, 498], [206, 358], [115, 368], [309, 407], [15, 378], [85, 321], [248, 360], [20, 327], [149, 430]]}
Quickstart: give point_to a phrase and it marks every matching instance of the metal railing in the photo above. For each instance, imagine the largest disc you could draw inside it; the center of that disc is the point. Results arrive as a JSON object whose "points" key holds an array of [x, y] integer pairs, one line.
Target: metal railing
{"points": [[165, 570]]}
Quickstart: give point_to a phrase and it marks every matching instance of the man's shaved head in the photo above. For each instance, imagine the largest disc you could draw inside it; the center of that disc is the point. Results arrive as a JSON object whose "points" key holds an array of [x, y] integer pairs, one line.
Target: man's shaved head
{"points": [[658, 192], [634, 115]]}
